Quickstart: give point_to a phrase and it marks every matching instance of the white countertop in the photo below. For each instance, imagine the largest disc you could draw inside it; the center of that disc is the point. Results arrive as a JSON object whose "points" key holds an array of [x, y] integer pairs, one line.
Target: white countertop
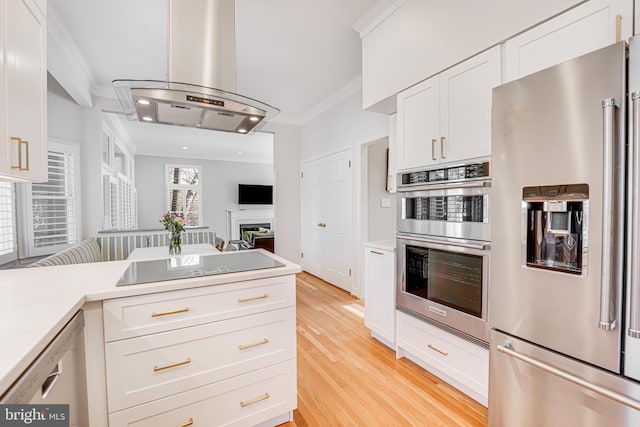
{"points": [[35, 303], [385, 245]]}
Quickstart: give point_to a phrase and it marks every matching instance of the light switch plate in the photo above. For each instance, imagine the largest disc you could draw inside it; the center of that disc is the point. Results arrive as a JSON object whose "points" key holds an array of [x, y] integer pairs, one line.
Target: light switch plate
{"points": [[385, 203]]}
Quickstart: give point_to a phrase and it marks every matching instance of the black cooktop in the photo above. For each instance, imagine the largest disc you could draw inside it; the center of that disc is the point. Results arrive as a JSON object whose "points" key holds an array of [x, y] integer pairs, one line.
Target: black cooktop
{"points": [[186, 266]]}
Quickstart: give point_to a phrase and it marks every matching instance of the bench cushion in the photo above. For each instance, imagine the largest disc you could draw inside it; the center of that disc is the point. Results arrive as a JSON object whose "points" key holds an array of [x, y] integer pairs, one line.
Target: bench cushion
{"points": [[80, 253]]}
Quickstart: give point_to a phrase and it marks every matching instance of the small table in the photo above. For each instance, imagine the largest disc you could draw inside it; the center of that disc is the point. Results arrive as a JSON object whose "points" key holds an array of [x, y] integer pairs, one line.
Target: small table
{"points": [[159, 252]]}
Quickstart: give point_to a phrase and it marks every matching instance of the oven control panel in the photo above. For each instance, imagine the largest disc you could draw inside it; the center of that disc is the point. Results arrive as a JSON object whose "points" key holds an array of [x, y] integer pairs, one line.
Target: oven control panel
{"points": [[455, 173]]}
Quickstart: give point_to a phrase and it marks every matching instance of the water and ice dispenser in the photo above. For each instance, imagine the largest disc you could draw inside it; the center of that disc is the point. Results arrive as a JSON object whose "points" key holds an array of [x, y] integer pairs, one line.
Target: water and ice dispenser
{"points": [[555, 237]]}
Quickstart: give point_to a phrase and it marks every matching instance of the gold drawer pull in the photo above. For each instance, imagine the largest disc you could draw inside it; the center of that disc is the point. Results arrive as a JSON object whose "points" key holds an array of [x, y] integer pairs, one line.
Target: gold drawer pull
{"points": [[255, 344], [173, 365], [263, 296], [256, 400], [20, 142], [444, 353], [168, 313], [188, 423]]}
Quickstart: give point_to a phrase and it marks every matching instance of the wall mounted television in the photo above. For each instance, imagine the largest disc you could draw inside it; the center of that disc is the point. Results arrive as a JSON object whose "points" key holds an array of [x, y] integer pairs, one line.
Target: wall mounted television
{"points": [[255, 194]]}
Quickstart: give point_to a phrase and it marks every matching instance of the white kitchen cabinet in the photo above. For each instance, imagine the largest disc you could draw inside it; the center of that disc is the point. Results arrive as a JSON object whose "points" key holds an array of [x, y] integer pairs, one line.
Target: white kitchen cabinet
{"points": [[391, 161], [380, 293], [254, 398], [459, 362], [406, 41], [447, 118], [418, 125], [210, 354], [23, 82], [583, 29]]}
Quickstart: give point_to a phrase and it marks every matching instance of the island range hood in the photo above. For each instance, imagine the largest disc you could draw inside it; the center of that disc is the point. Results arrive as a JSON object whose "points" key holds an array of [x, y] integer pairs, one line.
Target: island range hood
{"points": [[200, 91]]}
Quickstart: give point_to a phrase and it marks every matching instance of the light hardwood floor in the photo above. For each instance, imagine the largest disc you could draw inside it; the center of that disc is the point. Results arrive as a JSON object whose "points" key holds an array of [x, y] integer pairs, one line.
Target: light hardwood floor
{"points": [[347, 378]]}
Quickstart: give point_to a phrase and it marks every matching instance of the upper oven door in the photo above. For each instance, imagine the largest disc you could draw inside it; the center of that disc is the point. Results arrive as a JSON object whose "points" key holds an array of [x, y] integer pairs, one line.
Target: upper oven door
{"points": [[455, 210]]}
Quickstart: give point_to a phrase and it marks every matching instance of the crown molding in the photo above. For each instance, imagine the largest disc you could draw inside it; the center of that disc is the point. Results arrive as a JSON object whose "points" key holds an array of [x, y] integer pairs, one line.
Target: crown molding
{"points": [[65, 62], [377, 13]]}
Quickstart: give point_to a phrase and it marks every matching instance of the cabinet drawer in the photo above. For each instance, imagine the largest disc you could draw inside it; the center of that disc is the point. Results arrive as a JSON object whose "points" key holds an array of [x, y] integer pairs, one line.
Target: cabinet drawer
{"points": [[147, 368], [147, 314], [460, 359], [245, 400]]}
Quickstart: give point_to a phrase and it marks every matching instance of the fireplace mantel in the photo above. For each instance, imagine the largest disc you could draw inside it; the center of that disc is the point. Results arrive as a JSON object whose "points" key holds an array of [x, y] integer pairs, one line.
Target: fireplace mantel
{"points": [[235, 217]]}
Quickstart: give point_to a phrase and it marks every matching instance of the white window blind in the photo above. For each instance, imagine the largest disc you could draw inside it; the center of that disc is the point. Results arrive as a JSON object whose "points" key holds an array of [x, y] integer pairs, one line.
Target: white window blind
{"points": [[53, 206], [8, 251], [184, 193]]}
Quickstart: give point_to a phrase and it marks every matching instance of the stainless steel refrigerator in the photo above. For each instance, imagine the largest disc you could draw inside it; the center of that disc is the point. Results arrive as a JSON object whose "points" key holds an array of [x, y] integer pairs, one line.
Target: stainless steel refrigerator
{"points": [[565, 242]]}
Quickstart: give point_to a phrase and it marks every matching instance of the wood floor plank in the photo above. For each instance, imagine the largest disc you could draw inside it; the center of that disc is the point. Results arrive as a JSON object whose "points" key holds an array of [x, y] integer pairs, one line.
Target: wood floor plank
{"points": [[347, 378]]}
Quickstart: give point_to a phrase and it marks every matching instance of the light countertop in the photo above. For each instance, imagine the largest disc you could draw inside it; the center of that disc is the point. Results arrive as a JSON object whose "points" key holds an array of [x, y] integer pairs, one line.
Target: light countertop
{"points": [[385, 245], [35, 303]]}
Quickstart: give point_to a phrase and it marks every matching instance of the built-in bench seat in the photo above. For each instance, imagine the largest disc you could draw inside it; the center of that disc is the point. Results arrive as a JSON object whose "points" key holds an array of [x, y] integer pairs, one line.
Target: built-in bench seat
{"points": [[116, 247], [80, 253]]}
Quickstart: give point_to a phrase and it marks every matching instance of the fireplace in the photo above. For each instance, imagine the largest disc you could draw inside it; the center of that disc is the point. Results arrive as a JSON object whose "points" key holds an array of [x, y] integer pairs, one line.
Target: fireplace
{"points": [[253, 227], [249, 219]]}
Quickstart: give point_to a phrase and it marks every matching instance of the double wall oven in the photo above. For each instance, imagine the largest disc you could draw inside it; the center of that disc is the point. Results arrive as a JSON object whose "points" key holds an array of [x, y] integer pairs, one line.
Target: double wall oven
{"points": [[443, 246]]}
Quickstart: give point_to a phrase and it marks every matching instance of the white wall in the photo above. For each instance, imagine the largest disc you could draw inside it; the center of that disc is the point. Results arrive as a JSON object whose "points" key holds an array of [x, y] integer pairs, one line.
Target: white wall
{"points": [[286, 162], [219, 188], [342, 126], [381, 222]]}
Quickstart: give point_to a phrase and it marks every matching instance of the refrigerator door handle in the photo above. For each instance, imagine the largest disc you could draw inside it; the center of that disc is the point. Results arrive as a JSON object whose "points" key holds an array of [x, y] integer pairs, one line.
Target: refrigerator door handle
{"points": [[610, 394], [634, 148], [608, 284]]}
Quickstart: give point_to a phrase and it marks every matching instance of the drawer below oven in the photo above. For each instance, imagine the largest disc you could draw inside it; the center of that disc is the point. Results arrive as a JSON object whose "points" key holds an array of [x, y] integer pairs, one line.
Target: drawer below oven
{"points": [[441, 352]]}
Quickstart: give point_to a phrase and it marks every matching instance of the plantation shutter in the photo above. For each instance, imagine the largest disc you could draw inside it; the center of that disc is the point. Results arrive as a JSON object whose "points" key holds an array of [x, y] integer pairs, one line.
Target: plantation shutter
{"points": [[8, 250], [54, 205]]}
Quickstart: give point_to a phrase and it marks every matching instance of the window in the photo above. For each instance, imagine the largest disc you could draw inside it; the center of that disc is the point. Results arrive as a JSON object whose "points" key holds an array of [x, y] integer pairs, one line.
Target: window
{"points": [[52, 208], [8, 250], [119, 197], [183, 193]]}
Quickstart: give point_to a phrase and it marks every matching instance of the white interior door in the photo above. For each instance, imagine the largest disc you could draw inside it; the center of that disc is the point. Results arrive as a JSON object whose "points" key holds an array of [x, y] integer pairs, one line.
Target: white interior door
{"points": [[326, 218], [311, 225]]}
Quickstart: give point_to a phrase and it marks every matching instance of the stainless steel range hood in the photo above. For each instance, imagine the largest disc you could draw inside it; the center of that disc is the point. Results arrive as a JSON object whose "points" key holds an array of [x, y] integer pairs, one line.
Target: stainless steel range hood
{"points": [[200, 91]]}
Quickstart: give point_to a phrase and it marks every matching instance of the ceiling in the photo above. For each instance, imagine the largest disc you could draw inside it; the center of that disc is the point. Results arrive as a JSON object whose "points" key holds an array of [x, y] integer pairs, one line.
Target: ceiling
{"points": [[290, 54]]}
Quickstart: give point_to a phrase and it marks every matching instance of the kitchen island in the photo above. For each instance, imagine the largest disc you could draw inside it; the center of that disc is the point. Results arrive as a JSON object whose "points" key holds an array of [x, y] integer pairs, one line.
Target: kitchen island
{"points": [[38, 302]]}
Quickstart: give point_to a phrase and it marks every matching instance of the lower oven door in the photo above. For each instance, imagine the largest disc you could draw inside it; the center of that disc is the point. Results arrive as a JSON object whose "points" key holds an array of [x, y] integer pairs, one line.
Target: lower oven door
{"points": [[445, 280]]}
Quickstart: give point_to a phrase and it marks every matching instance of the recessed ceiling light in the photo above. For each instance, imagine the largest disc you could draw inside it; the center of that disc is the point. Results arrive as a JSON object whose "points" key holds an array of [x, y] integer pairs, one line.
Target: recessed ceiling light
{"points": [[147, 119], [254, 118], [185, 148], [242, 130], [239, 152], [143, 102]]}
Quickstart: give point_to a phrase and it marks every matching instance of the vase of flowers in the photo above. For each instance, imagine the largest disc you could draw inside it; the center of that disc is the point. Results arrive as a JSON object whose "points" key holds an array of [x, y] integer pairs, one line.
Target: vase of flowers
{"points": [[174, 224]]}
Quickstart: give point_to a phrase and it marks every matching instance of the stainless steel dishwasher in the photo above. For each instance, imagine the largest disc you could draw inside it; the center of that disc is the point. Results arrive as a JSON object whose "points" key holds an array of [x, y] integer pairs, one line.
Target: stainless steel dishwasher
{"points": [[58, 375]]}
